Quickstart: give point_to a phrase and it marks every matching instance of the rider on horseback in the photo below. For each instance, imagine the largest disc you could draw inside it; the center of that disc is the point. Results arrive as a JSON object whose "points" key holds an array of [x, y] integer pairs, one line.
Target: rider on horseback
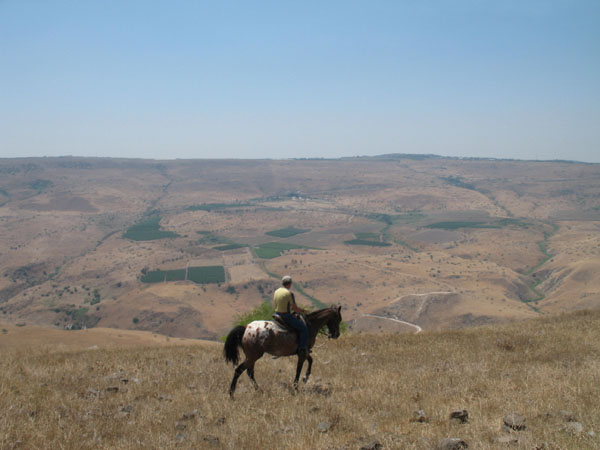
{"points": [[284, 303]]}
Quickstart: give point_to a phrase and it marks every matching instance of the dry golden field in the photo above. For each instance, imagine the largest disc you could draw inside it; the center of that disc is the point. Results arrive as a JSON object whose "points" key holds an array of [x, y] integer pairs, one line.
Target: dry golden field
{"points": [[387, 391], [450, 242]]}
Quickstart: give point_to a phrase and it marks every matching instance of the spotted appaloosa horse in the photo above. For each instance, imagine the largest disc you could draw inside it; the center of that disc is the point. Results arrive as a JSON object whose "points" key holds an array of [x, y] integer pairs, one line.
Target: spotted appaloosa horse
{"points": [[261, 336]]}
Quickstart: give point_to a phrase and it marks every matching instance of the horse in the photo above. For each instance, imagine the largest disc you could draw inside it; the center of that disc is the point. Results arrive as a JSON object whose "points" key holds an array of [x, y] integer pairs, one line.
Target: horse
{"points": [[262, 336]]}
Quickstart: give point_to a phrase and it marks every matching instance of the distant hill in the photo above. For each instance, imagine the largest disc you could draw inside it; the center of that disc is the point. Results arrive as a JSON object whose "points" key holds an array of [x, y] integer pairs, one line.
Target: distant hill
{"points": [[183, 247]]}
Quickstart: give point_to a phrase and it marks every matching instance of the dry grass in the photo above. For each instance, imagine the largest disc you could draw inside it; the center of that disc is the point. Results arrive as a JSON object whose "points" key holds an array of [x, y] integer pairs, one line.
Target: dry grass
{"points": [[365, 387]]}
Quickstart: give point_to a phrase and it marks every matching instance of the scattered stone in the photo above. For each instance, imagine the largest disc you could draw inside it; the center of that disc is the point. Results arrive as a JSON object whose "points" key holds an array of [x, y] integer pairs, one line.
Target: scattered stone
{"points": [[324, 427], [165, 398], [514, 421], [459, 416], [211, 440], [191, 415], [93, 393], [221, 421], [180, 426], [506, 439], [375, 445], [181, 437], [124, 412], [568, 416], [452, 444], [574, 428], [419, 416], [321, 389], [591, 434], [546, 446], [112, 389]]}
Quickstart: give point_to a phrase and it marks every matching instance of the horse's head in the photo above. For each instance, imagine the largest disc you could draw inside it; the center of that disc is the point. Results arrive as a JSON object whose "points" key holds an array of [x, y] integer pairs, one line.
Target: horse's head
{"points": [[333, 323]]}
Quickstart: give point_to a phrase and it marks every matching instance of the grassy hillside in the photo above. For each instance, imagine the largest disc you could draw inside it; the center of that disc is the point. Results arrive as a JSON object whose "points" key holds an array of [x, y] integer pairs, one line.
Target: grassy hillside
{"points": [[365, 389]]}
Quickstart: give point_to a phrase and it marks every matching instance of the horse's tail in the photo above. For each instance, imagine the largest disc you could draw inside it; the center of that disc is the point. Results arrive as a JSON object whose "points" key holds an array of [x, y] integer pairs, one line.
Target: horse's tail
{"points": [[232, 344]]}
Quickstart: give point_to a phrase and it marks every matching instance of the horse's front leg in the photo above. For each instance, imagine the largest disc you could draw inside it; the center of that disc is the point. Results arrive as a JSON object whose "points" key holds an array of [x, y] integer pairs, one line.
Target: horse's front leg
{"points": [[310, 360], [301, 359]]}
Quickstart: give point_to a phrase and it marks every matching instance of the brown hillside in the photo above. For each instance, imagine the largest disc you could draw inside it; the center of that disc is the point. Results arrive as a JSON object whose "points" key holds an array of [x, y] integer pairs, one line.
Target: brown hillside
{"points": [[510, 239]]}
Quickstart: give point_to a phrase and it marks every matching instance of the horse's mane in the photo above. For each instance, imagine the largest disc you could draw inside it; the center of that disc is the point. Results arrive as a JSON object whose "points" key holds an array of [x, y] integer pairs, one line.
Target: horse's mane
{"points": [[317, 313]]}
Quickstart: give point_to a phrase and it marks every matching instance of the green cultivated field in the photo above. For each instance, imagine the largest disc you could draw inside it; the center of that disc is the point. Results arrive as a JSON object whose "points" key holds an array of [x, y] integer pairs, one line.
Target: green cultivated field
{"points": [[200, 275], [229, 247], [367, 242], [494, 223], [274, 249], [286, 232], [206, 274], [460, 224], [154, 276], [148, 230], [175, 275]]}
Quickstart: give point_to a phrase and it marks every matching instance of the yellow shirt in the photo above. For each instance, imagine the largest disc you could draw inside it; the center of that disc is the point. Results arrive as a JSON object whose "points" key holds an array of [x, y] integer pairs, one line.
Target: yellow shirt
{"points": [[282, 300]]}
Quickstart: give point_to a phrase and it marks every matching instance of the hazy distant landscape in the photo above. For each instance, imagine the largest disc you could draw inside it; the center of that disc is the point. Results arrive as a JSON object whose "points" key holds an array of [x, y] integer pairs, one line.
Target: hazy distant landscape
{"points": [[183, 247]]}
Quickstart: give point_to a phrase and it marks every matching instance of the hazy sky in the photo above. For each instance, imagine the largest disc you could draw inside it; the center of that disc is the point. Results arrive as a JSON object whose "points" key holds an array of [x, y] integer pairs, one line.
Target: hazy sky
{"points": [[284, 79]]}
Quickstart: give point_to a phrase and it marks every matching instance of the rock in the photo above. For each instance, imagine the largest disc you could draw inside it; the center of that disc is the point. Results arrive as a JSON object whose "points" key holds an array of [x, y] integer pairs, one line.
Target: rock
{"points": [[180, 426], [506, 439], [112, 389], [221, 421], [324, 427], [93, 393], [211, 440], [181, 436], [515, 421], [452, 444], [321, 389], [574, 428], [375, 445], [124, 412], [419, 416], [190, 415], [591, 434], [568, 416], [459, 416], [165, 398]]}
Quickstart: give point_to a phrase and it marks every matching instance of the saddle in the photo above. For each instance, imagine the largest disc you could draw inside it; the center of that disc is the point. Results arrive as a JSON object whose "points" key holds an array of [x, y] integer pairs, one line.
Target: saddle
{"points": [[282, 324]]}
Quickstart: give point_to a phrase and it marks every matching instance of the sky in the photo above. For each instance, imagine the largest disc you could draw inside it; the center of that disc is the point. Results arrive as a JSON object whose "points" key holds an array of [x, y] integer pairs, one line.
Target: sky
{"points": [[311, 79]]}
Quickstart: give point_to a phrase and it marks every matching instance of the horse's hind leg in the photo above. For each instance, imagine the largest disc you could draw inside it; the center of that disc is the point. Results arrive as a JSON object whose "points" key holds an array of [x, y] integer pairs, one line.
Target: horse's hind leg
{"points": [[251, 374], [238, 371], [310, 360]]}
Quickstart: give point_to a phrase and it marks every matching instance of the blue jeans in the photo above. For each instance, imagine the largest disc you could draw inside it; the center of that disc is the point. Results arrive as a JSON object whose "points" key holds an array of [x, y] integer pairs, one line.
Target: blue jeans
{"points": [[297, 325]]}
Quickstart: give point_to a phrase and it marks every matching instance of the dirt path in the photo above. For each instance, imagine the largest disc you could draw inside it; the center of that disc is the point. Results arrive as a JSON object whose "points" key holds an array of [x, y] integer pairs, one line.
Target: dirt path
{"points": [[417, 328]]}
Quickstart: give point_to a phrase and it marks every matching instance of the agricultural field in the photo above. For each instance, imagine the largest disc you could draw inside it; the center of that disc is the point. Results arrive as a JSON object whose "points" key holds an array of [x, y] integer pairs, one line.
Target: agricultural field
{"points": [[148, 230], [271, 250], [200, 275], [208, 274], [286, 232]]}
